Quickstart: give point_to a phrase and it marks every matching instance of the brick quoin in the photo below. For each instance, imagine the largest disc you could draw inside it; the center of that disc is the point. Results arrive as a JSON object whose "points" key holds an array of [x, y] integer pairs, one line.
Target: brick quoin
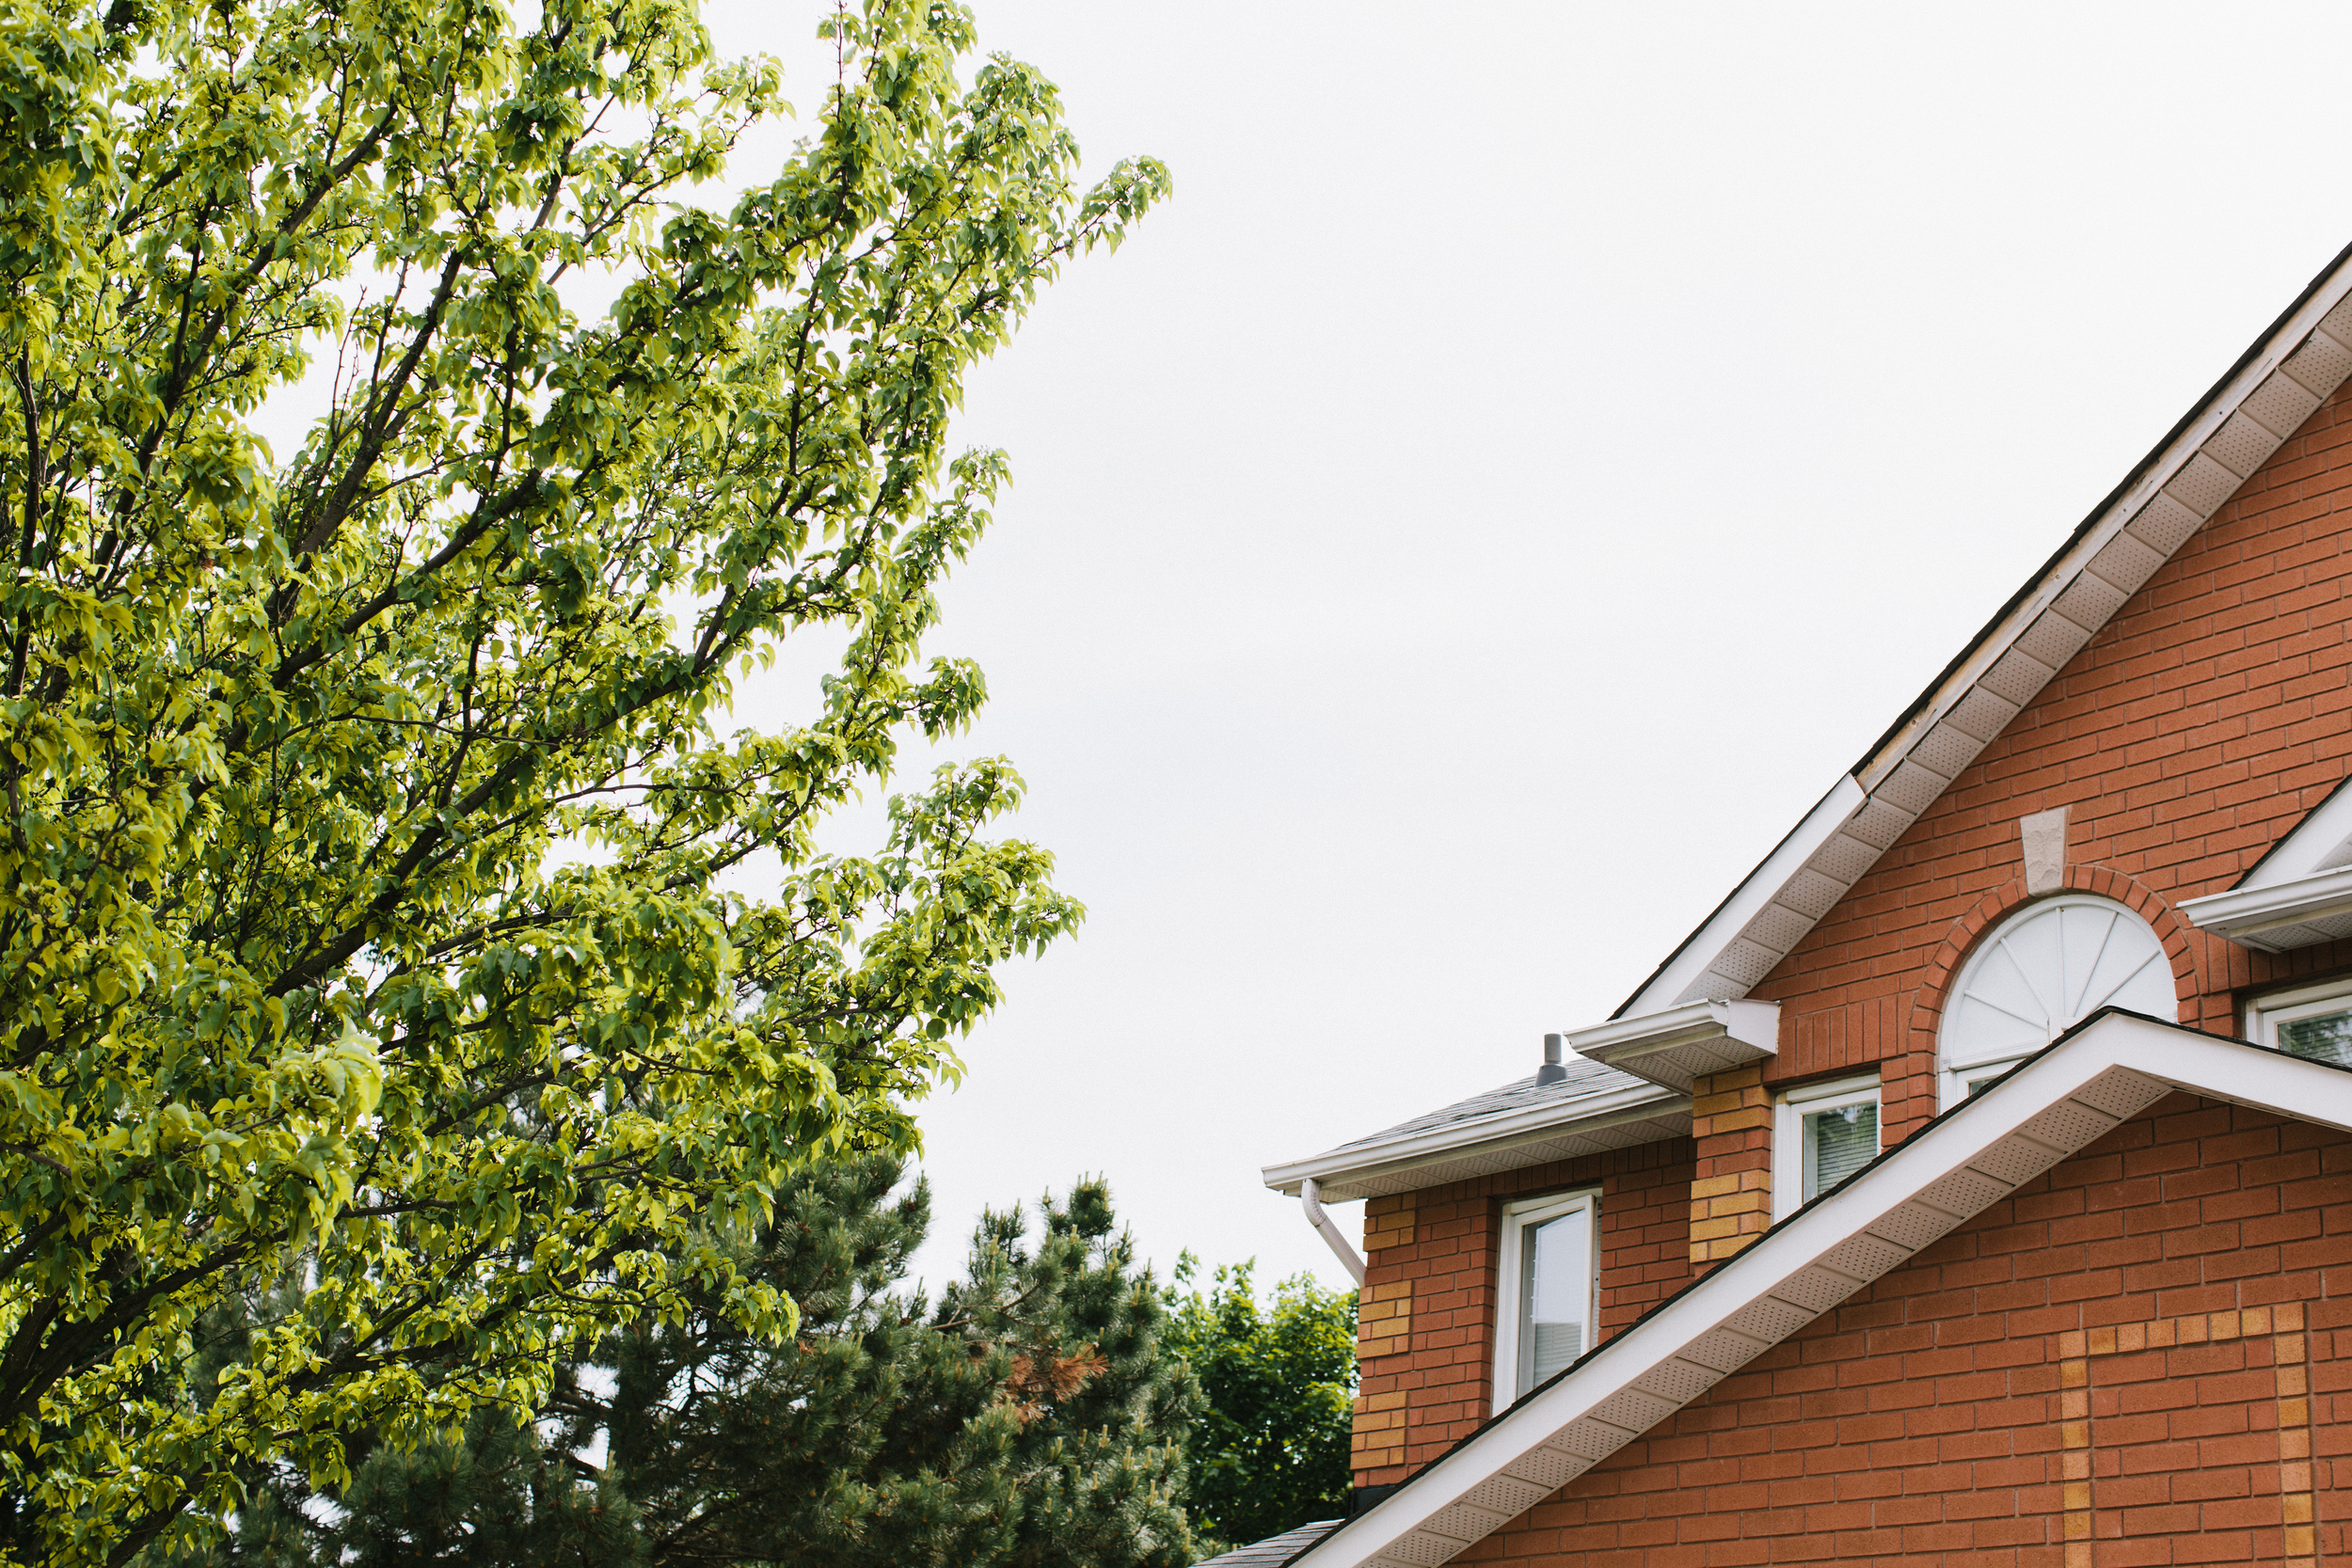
{"points": [[1925, 1420]]}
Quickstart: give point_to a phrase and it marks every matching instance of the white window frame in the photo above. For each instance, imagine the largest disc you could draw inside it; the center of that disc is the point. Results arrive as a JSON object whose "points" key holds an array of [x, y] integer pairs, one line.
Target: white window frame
{"points": [[1954, 1081], [1787, 1129], [2263, 1014], [1952, 1077], [1516, 1216]]}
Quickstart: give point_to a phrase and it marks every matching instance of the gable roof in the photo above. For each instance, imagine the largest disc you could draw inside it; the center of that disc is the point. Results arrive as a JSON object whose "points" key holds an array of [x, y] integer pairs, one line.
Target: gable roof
{"points": [[2272, 389], [2103, 1071]]}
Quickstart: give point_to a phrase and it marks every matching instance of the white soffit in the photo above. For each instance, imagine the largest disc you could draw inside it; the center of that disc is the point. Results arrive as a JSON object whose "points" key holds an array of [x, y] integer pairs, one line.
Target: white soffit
{"points": [[2297, 896], [1682, 1044], [2276, 387], [2105, 1071]]}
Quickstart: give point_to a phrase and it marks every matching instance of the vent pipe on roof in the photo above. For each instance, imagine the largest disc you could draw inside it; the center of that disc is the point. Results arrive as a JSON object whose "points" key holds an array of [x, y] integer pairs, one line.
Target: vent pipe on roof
{"points": [[1553, 1070], [1311, 1196]]}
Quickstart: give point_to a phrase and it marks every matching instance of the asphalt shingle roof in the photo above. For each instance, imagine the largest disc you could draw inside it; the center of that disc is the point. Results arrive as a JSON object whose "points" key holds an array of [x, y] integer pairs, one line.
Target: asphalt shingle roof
{"points": [[1273, 1550], [1585, 1078]]}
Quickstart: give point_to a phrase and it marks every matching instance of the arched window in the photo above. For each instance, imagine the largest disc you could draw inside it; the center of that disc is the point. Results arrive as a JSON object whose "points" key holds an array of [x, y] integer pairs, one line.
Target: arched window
{"points": [[2045, 969]]}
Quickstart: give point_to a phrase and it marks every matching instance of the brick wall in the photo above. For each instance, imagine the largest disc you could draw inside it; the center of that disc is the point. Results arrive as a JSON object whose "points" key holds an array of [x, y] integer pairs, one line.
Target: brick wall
{"points": [[1416, 1399], [2143, 1356], [2188, 736], [2185, 738]]}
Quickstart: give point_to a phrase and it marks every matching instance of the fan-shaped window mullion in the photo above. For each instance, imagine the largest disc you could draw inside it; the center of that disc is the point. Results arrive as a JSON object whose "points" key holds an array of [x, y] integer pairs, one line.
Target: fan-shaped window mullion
{"points": [[1987, 1023]]}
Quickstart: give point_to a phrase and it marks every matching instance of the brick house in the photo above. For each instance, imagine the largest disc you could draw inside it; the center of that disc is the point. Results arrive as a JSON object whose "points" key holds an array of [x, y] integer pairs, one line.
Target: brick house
{"points": [[1975, 1185]]}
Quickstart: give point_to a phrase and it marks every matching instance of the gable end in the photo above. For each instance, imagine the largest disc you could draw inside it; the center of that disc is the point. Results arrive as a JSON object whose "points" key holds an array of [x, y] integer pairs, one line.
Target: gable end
{"points": [[2274, 387]]}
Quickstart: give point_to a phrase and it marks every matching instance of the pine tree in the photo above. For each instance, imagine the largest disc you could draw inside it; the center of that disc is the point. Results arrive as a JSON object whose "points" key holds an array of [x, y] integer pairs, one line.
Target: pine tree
{"points": [[1032, 1417]]}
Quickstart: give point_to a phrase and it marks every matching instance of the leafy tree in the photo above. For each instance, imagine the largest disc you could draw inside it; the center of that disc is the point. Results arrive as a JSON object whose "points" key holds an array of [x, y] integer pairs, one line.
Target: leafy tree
{"points": [[293, 978], [1271, 1452], [1032, 1418]]}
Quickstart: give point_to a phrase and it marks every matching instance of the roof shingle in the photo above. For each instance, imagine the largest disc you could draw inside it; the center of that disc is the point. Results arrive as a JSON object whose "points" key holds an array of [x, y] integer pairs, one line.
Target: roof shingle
{"points": [[1274, 1550]]}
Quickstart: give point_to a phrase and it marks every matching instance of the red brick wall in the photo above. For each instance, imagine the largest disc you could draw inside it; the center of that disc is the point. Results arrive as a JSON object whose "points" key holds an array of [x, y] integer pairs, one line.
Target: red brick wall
{"points": [[1413, 1405], [2149, 1348], [2188, 736]]}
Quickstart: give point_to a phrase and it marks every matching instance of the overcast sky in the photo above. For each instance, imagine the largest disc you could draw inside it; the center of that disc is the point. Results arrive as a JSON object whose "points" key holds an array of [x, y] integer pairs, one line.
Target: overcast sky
{"points": [[1537, 451]]}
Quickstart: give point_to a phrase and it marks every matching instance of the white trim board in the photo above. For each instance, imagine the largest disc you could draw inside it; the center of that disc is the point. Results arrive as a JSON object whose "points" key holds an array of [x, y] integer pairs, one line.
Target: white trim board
{"points": [[2299, 894], [1679, 1046], [2300, 913], [2105, 1070], [2282, 379], [1637, 1113]]}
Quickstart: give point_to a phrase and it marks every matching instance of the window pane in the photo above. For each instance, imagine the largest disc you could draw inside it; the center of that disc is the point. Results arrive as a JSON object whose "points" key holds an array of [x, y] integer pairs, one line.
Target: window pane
{"points": [[1556, 1295], [1985, 1075], [1838, 1144], [2325, 1038]]}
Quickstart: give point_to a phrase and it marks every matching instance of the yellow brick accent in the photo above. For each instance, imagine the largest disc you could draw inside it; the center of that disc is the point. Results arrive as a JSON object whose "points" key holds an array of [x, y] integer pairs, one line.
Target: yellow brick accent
{"points": [[1727, 1224], [1378, 1437], [2290, 1371], [1395, 1228], [1730, 1102], [1730, 1210], [1384, 1318]]}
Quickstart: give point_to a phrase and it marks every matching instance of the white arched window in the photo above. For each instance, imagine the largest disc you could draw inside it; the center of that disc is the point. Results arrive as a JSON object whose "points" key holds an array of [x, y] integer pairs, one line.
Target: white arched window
{"points": [[2042, 970]]}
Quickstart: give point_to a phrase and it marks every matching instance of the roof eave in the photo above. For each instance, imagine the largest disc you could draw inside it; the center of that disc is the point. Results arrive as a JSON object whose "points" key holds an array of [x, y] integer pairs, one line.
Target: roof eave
{"points": [[2275, 918], [1679, 1046], [2084, 1084], [1484, 1134]]}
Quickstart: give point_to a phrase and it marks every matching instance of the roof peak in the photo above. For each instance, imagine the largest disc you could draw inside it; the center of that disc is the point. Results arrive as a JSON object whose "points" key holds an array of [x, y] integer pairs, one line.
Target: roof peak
{"points": [[2265, 396]]}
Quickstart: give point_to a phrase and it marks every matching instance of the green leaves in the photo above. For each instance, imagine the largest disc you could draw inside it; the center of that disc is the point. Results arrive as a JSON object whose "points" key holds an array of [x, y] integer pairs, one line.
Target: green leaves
{"points": [[1271, 1452], [365, 818]]}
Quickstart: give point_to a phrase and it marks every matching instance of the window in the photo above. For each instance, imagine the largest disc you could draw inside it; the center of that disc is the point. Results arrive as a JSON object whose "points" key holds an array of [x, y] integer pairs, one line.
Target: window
{"points": [[1821, 1134], [2314, 1022], [2039, 973], [1548, 1292]]}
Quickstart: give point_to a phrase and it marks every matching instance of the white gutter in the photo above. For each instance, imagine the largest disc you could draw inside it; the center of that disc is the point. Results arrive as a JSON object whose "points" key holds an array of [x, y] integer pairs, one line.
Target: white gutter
{"points": [[1311, 1196], [1677, 1047], [2251, 915], [1634, 1103]]}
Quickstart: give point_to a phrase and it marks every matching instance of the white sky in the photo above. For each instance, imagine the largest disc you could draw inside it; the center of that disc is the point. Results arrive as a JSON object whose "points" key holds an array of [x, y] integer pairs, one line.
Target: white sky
{"points": [[1539, 447]]}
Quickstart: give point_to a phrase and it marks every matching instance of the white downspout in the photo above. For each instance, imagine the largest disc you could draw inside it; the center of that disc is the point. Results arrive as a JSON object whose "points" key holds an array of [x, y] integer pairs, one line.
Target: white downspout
{"points": [[1311, 1194]]}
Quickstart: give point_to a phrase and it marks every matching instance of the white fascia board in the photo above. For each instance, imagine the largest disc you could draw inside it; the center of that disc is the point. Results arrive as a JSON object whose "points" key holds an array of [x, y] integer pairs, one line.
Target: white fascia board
{"points": [[2053, 1106], [2063, 574], [1748, 899], [1883, 770], [2249, 915], [1534, 1123], [1670, 1048], [2323, 830], [1751, 1024]]}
